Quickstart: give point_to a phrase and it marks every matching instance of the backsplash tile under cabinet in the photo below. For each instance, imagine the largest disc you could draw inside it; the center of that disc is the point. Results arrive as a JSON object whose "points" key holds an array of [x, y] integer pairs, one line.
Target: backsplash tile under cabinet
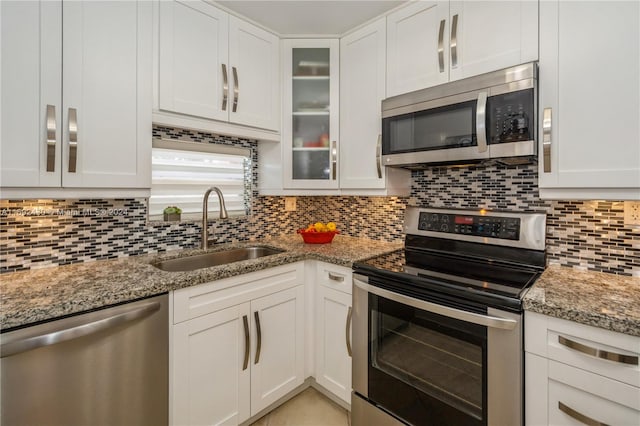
{"points": [[584, 234], [591, 235]]}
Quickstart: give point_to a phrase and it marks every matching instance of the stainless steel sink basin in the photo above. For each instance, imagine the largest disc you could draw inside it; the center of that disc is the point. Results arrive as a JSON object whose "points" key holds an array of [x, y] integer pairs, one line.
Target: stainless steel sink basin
{"points": [[191, 263]]}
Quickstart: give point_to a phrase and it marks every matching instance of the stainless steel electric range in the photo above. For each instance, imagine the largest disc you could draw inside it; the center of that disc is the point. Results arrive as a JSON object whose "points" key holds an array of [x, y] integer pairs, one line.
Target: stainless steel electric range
{"points": [[438, 325]]}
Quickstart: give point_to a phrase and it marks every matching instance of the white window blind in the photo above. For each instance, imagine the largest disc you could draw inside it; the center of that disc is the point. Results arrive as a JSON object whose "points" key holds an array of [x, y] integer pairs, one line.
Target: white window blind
{"points": [[183, 171]]}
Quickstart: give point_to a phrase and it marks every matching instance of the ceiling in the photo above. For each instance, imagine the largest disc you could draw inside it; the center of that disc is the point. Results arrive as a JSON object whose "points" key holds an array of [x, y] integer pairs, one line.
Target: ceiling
{"points": [[310, 17]]}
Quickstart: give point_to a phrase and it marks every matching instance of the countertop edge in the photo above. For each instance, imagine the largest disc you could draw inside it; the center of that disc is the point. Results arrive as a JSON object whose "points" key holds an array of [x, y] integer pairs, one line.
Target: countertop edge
{"points": [[48, 306]]}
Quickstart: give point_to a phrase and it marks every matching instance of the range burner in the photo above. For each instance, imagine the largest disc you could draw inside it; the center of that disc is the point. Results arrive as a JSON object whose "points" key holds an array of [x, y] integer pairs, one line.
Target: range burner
{"points": [[484, 256]]}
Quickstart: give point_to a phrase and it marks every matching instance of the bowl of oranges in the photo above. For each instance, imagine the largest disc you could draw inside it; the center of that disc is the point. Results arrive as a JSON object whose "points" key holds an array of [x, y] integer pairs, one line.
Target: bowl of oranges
{"points": [[319, 233]]}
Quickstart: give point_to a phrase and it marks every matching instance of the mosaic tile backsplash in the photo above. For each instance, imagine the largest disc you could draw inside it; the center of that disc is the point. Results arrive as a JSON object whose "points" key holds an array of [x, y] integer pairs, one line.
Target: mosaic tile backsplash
{"points": [[584, 234]]}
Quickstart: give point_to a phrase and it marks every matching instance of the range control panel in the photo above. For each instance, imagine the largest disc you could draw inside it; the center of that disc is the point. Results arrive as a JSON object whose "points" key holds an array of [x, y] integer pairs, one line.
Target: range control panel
{"points": [[506, 228]]}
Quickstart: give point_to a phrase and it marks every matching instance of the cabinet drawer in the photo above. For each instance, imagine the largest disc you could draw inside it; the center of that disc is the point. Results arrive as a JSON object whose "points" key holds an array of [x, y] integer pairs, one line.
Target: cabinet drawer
{"points": [[577, 397], [334, 276], [202, 299], [610, 354]]}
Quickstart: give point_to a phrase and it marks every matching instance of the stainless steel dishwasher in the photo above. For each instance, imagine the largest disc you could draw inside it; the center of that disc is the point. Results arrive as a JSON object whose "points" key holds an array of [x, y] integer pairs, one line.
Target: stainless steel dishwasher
{"points": [[105, 367]]}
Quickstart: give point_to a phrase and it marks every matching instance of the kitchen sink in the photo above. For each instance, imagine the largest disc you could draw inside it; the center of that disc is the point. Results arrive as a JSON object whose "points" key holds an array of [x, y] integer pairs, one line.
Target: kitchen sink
{"points": [[191, 263]]}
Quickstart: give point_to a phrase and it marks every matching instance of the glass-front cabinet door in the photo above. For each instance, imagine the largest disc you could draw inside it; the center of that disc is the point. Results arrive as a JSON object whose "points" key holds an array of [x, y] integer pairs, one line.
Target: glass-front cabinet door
{"points": [[310, 131]]}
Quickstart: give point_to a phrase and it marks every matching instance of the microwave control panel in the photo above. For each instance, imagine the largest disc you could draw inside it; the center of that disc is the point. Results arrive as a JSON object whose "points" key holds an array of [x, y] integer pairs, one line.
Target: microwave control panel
{"points": [[506, 228]]}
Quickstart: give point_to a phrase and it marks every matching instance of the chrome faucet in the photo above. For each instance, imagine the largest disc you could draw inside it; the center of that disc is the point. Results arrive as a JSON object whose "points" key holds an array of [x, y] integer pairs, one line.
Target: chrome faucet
{"points": [[205, 213]]}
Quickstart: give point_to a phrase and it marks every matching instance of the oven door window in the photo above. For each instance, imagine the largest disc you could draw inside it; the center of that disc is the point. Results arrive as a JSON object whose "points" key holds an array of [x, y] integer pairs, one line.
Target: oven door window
{"points": [[426, 368], [451, 126]]}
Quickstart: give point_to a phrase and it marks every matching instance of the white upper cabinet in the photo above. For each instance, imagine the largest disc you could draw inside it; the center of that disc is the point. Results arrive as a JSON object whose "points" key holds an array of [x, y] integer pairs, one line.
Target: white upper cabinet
{"points": [[331, 141], [433, 42], [214, 66], [490, 35], [362, 89], [255, 72], [310, 136], [76, 95], [189, 32], [31, 88], [417, 47], [107, 66], [589, 100]]}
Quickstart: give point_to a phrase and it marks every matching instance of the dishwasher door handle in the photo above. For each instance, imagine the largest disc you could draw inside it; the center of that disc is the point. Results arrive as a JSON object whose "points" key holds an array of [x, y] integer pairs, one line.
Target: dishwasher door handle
{"points": [[68, 333]]}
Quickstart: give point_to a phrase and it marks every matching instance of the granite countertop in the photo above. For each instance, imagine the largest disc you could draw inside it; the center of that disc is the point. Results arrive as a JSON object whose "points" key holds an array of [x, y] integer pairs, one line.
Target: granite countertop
{"points": [[598, 299], [29, 297]]}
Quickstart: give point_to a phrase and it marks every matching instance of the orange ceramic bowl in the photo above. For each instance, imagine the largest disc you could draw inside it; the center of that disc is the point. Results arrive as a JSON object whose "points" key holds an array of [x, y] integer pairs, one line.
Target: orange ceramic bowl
{"points": [[317, 237]]}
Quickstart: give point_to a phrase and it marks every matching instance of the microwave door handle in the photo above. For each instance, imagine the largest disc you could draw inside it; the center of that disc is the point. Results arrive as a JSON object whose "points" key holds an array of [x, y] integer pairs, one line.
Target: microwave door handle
{"points": [[481, 125], [471, 317]]}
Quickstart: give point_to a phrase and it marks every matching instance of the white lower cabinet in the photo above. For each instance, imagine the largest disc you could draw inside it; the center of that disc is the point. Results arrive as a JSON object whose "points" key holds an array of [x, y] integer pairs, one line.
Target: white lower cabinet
{"points": [[237, 345], [577, 374], [333, 329], [277, 362], [210, 382]]}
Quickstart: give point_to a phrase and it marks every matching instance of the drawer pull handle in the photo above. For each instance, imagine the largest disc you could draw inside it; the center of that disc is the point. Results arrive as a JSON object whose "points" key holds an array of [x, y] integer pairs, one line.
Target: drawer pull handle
{"points": [[598, 353], [247, 343], [579, 416], [335, 277]]}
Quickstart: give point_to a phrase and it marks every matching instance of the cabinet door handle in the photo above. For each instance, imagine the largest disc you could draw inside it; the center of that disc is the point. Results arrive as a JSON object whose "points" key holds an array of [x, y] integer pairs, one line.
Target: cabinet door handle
{"points": [[247, 342], [73, 139], [256, 315], [598, 353], [347, 330], [481, 126], [454, 41], [51, 138], [334, 160], [579, 416], [546, 140], [441, 46], [225, 87], [236, 89], [379, 156]]}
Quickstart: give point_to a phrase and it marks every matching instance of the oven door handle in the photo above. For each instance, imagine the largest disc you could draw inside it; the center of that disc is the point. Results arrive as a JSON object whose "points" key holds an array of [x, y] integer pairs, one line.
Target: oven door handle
{"points": [[485, 320]]}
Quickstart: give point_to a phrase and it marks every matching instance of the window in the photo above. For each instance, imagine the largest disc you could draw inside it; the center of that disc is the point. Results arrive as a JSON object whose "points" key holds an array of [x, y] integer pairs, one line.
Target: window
{"points": [[183, 171]]}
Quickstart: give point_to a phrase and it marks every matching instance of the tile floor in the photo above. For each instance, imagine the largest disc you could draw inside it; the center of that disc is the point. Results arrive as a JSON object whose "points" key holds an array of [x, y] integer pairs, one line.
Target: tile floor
{"points": [[309, 408]]}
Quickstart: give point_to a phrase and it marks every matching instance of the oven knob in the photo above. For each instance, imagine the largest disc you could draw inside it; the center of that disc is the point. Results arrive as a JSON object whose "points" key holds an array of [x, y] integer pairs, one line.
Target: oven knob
{"points": [[444, 227]]}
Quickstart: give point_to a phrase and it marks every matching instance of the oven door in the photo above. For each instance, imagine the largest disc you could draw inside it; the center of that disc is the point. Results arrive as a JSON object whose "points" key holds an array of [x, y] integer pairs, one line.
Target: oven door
{"points": [[430, 364]]}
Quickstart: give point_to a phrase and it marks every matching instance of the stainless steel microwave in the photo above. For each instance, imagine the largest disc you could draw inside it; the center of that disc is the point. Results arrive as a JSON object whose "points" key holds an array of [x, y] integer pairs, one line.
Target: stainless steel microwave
{"points": [[488, 116]]}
